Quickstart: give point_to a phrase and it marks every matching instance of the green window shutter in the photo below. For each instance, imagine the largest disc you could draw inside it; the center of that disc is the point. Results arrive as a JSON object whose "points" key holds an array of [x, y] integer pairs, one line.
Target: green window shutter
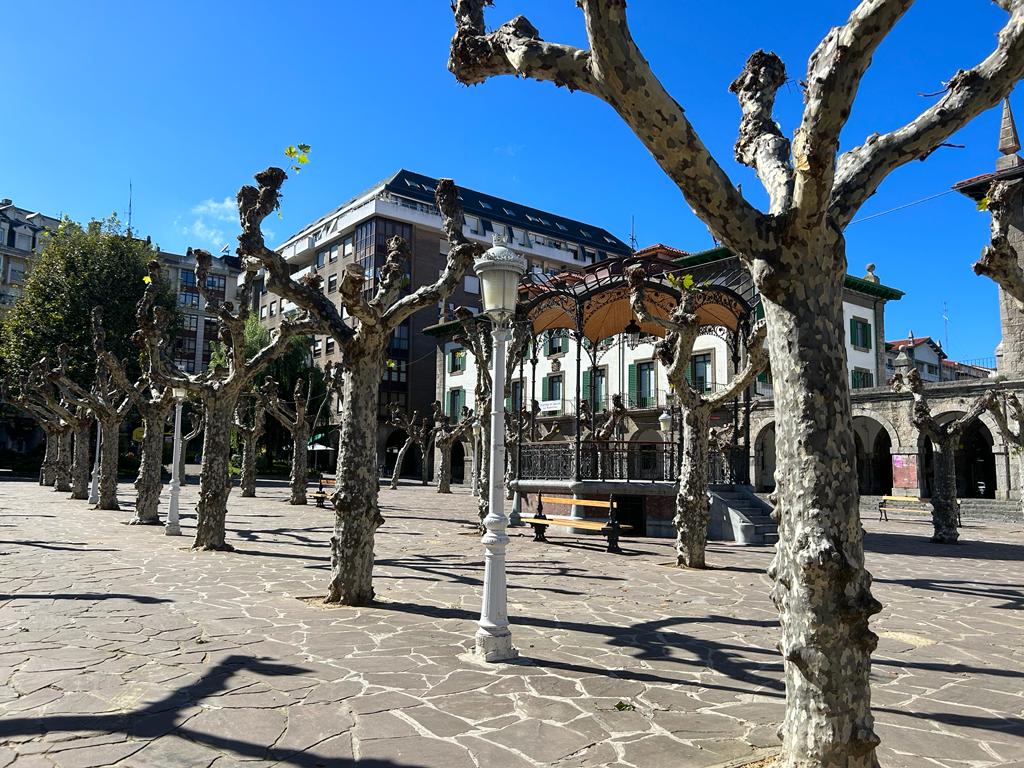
{"points": [[508, 402], [585, 393], [544, 388], [867, 335], [759, 312], [632, 385], [451, 362], [854, 341], [547, 345]]}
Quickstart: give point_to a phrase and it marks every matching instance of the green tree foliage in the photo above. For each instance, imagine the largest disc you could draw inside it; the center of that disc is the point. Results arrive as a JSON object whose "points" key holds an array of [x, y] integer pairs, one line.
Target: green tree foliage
{"points": [[80, 268]]}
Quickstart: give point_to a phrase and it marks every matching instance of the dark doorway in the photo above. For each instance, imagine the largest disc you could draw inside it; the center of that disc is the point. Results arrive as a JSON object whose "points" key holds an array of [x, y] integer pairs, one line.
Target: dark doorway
{"points": [[882, 461], [458, 462], [976, 464], [631, 512]]}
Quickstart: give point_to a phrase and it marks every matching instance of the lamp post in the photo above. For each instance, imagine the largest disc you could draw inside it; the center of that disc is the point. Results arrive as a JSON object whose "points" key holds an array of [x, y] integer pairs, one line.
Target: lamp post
{"points": [[499, 270], [94, 487], [477, 431], [173, 528]]}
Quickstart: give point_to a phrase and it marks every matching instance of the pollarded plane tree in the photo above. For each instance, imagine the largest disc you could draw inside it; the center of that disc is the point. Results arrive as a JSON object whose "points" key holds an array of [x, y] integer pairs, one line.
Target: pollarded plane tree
{"points": [[153, 401], [945, 438], [795, 252], [108, 403], [249, 422], [446, 434], [419, 431], [195, 428], [294, 417], [693, 509], [378, 305], [77, 416], [219, 387], [56, 467]]}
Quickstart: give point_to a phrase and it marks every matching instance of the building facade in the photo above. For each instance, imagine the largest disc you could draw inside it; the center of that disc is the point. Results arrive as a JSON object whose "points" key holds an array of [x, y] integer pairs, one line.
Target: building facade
{"points": [[23, 235], [403, 204]]}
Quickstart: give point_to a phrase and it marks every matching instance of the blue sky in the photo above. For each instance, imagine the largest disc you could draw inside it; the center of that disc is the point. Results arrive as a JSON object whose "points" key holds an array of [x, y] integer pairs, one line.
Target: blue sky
{"points": [[187, 99]]}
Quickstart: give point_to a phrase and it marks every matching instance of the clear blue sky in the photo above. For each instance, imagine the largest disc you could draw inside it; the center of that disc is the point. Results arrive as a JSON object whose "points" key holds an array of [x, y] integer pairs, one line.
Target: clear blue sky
{"points": [[188, 99]]}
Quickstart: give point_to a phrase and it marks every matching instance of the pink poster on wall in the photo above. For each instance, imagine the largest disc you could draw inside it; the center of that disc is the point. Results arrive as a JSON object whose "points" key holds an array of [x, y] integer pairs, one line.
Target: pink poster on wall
{"points": [[904, 471]]}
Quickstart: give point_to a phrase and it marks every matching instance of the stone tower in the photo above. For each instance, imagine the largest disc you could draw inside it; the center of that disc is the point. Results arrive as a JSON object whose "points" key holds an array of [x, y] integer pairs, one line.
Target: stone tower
{"points": [[1009, 165]]}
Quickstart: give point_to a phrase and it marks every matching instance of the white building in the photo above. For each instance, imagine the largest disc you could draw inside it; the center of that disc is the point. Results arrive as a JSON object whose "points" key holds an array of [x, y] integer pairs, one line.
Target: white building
{"points": [[23, 235]]}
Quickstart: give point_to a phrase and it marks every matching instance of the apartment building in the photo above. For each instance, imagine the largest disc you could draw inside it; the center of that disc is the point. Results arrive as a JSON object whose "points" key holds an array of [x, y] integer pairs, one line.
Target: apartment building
{"points": [[22, 238], [357, 231], [932, 363], [193, 345]]}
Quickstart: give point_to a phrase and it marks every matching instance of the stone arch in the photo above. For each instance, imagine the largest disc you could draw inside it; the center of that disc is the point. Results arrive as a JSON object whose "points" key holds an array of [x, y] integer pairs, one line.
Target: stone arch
{"points": [[873, 441], [976, 473], [871, 413], [645, 457], [458, 462]]}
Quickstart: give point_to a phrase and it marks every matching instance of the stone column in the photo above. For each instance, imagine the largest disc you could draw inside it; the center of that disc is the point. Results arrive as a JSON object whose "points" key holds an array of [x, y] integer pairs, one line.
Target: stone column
{"points": [[1004, 476]]}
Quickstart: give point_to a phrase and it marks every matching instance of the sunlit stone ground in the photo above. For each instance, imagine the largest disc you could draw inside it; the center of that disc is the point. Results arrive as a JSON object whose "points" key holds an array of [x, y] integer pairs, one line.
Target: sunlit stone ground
{"points": [[118, 646]]}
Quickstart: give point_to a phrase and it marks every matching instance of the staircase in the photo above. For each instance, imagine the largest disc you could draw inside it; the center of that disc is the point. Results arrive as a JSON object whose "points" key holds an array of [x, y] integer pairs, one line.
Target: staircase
{"points": [[738, 515]]}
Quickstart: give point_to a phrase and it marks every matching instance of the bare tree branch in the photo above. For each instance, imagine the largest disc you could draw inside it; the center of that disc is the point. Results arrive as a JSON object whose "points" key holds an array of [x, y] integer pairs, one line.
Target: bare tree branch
{"points": [[1000, 259], [834, 73], [616, 72], [757, 359], [969, 92], [761, 144]]}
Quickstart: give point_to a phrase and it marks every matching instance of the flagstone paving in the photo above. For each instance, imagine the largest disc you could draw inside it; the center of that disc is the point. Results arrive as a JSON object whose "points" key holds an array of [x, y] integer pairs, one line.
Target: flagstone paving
{"points": [[118, 646]]}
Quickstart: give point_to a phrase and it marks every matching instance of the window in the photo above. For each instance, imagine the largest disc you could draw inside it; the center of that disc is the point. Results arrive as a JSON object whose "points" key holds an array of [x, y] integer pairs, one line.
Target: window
{"points": [[551, 388], [700, 373], [188, 299], [862, 378], [318, 347], [347, 246], [557, 342], [273, 308], [187, 364], [456, 399], [472, 284], [515, 399], [400, 338], [396, 371], [330, 346], [594, 388], [333, 256], [263, 312], [187, 278], [332, 283], [642, 385], [387, 399], [190, 323], [932, 369], [860, 333], [457, 361]]}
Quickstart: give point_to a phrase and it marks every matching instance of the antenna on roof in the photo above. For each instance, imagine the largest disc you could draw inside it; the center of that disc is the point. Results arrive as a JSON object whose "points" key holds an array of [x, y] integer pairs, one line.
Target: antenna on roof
{"points": [[945, 322], [226, 249], [632, 233]]}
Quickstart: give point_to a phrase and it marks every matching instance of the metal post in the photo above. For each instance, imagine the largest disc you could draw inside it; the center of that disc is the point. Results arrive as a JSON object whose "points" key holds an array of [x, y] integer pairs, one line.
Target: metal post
{"points": [[746, 437], [515, 519], [94, 487], [533, 389], [493, 638], [173, 528], [579, 383]]}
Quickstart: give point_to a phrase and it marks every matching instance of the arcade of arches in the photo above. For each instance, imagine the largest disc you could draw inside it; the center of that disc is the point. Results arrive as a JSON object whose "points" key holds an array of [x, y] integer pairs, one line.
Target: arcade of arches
{"points": [[893, 458]]}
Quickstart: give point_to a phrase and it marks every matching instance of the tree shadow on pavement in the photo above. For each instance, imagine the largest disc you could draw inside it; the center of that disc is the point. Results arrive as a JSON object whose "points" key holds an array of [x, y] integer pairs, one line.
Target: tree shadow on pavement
{"points": [[907, 544], [142, 599], [1013, 594]]}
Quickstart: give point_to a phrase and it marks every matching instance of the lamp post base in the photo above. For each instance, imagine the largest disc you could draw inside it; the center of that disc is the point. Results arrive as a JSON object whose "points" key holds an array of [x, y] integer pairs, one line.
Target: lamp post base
{"points": [[491, 648]]}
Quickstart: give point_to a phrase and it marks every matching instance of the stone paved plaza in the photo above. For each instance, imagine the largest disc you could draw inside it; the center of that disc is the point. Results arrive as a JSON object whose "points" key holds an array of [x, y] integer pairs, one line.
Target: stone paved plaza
{"points": [[118, 646]]}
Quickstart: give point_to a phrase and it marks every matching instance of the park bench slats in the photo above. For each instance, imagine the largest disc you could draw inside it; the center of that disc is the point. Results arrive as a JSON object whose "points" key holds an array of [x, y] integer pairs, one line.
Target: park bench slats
{"points": [[610, 527], [912, 504]]}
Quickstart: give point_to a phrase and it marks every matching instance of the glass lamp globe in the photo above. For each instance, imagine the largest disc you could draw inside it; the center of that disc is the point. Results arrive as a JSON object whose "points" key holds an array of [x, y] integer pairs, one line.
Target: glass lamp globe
{"points": [[499, 270]]}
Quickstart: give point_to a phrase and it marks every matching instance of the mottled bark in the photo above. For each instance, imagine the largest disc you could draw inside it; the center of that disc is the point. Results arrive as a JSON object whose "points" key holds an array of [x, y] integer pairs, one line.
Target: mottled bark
{"points": [[445, 435], [1000, 259], [400, 460], [110, 429], [214, 475], [944, 438], [293, 418], [47, 472], [821, 587], [249, 424], [693, 508], [81, 465], [65, 452], [186, 438], [149, 482], [356, 514], [420, 433]]}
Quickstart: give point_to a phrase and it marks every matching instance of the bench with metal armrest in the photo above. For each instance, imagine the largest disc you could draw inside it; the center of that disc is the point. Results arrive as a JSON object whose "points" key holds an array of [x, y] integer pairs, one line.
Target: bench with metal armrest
{"points": [[610, 527], [914, 504], [321, 494]]}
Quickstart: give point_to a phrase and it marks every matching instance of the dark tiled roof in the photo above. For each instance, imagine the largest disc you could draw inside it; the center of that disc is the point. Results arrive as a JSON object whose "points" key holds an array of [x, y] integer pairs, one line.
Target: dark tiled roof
{"points": [[977, 187], [420, 187]]}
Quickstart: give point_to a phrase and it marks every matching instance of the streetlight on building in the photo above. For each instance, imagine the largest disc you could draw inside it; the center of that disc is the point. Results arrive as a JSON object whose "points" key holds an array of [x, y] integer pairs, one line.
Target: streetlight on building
{"points": [[499, 270], [632, 332], [173, 528]]}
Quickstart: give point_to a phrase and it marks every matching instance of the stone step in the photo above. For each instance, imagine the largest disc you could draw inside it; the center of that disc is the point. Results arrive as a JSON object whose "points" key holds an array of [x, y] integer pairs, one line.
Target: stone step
{"points": [[770, 538]]}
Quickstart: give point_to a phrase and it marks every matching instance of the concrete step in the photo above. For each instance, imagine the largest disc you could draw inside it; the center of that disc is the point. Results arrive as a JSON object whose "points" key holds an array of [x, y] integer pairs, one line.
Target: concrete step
{"points": [[770, 538]]}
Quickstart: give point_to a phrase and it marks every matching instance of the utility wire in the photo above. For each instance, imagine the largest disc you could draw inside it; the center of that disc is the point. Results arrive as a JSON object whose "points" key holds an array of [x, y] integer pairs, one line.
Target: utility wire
{"points": [[901, 207]]}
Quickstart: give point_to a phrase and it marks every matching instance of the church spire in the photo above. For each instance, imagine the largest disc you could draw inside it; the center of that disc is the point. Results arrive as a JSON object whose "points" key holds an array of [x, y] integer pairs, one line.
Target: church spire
{"points": [[1009, 142]]}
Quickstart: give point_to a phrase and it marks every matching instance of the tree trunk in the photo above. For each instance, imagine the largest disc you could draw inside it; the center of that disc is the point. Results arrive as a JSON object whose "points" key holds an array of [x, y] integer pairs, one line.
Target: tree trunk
{"points": [[62, 470], [149, 482], [424, 454], [80, 465], [109, 429], [300, 463], [214, 477], [356, 515], [399, 461], [247, 483], [444, 470], [821, 588], [693, 512], [944, 493], [1020, 483], [47, 473]]}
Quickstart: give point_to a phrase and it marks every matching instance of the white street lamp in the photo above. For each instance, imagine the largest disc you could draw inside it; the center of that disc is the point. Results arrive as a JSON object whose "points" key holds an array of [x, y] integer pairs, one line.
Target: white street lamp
{"points": [[173, 528], [665, 422], [94, 487], [477, 432], [499, 270]]}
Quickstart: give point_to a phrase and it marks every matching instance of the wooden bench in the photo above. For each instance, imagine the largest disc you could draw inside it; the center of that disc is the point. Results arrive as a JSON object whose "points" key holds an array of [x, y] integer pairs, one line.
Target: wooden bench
{"points": [[914, 504], [320, 494], [609, 528]]}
